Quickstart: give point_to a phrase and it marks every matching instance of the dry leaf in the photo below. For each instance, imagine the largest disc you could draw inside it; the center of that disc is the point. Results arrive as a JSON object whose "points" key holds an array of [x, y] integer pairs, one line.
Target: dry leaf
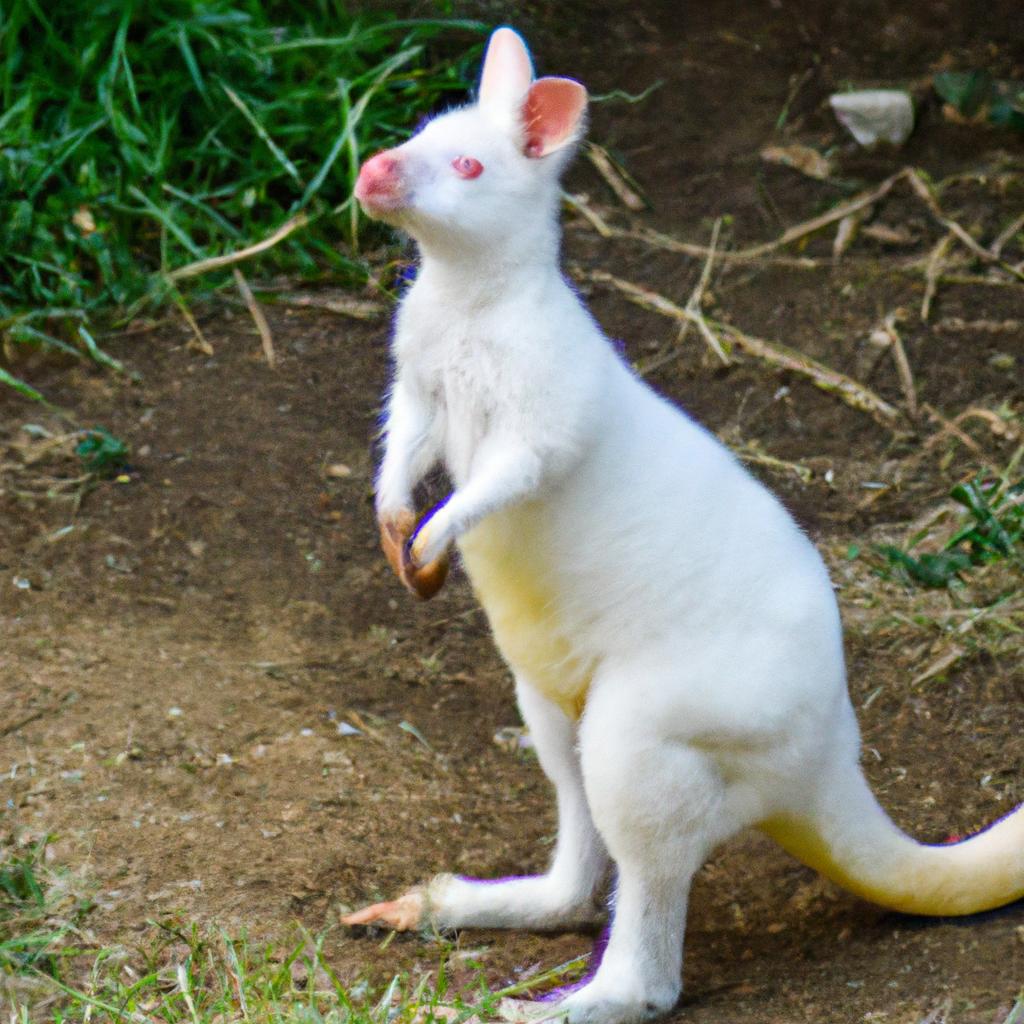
{"points": [[83, 220], [801, 158]]}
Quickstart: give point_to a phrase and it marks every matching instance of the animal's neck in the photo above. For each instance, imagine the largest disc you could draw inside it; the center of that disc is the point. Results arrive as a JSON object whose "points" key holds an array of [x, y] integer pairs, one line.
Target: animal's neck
{"points": [[476, 275]]}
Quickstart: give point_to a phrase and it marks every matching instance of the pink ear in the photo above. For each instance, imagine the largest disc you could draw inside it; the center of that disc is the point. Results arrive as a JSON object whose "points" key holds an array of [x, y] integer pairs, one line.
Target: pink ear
{"points": [[507, 71], [552, 114]]}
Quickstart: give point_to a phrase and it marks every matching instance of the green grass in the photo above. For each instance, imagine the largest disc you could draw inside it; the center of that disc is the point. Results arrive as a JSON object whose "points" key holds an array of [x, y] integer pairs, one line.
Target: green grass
{"points": [[183, 974], [136, 139], [101, 453], [40, 913], [991, 529]]}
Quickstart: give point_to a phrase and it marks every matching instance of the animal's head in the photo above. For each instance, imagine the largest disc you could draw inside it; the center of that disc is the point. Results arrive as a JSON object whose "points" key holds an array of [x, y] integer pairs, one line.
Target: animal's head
{"points": [[484, 172]]}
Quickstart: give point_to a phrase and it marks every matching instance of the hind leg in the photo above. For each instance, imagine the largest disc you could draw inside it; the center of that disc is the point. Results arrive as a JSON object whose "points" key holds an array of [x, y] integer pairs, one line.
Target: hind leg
{"points": [[561, 897], [661, 807]]}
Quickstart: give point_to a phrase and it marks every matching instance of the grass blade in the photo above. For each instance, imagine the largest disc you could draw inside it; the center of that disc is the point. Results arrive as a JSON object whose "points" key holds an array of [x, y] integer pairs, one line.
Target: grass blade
{"points": [[373, 32], [165, 219], [99, 355], [282, 157], [21, 387], [384, 72], [117, 152]]}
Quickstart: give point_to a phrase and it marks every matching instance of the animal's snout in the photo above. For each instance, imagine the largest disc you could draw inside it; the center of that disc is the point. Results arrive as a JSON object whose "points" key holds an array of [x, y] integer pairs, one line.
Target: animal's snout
{"points": [[380, 181]]}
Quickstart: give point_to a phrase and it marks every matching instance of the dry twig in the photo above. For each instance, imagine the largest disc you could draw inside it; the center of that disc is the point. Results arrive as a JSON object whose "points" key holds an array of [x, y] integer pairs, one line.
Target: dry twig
{"points": [[947, 427], [358, 309], [256, 312], [239, 255], [848, 390], [924, 193], [846, 232], [837, 213], [886, 336], [933, 271], [887, 234], [957, 324], [995, 423], [751, 452], [978, 279], [793, 234], [579, 203], [198, 340], [661, 241], [844, 211], [948, 660], [1005, 235], [615, 177], [693, 303]]}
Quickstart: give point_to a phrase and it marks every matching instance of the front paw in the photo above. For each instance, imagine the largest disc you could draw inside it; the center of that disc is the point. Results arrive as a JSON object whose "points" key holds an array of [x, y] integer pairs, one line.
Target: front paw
{"points": [[424, 578], [395, 530], [432, 539]]}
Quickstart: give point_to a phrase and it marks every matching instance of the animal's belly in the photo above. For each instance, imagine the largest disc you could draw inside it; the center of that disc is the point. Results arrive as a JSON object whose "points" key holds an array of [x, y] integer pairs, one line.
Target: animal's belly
{"points": [[516, 590]]}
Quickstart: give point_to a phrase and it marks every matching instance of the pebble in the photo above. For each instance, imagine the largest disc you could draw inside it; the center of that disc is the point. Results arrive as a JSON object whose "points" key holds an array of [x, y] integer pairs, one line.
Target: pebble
{"points": [[875, 115]]}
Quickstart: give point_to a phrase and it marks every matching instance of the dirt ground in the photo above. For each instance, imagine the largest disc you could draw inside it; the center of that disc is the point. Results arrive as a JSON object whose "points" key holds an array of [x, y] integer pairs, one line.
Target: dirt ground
{"points": [[185, 667]]}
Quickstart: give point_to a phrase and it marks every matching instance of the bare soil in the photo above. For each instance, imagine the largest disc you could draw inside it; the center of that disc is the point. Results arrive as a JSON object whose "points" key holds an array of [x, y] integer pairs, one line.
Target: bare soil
{"points": [[178, 664]]}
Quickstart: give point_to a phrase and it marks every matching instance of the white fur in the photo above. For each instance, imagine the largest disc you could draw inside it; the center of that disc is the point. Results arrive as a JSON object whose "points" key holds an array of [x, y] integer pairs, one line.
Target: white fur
{"points": [[631, 567]]}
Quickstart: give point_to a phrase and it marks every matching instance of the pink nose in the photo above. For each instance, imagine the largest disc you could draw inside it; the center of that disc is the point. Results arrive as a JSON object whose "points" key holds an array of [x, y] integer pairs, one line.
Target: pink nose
{"points": [[379, 178]]}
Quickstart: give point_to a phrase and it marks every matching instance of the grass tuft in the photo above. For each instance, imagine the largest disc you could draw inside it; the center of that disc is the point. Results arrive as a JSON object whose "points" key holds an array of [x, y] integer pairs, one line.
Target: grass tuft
{"points": [[990, 530], [55, 973], [101, 453], [136, 139], [41, 911]]}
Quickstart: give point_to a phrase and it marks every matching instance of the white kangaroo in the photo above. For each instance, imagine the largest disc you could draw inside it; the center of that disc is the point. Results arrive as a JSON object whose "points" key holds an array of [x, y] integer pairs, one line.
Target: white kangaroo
{"points": [[674, 637]]}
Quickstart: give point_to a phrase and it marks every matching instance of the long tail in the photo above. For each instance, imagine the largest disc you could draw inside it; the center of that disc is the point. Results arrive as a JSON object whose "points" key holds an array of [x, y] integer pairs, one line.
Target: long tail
{"points": [[848, 837]]}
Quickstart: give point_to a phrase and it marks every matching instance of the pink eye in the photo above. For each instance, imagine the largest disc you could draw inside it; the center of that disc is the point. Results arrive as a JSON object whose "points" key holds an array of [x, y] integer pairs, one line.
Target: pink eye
{"points": [[467, 167]]}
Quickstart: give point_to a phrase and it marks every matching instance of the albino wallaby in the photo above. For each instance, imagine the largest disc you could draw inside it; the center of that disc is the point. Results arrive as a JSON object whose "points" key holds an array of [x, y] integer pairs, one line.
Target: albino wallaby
{"points": [[674, 637]]}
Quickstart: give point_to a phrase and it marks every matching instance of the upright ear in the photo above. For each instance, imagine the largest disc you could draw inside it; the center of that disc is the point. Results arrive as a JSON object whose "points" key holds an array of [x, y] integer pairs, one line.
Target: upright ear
{"points": [[507, 72], [553, 115]]}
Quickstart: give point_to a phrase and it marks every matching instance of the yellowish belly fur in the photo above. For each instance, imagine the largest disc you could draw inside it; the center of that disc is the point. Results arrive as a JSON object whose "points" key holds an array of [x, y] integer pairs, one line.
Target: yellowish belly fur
{"points": [[516, 590]]}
